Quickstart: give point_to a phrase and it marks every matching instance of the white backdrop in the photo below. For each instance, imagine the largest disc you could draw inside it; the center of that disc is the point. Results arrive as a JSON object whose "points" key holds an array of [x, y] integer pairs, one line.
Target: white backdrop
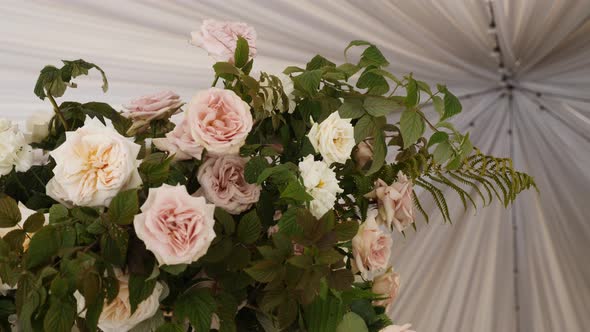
{"points": [[523, 269]]}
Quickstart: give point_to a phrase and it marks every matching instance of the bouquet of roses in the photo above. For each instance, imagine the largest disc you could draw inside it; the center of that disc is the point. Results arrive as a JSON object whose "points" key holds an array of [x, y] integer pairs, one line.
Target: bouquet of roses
{"points": [[268, 205]]}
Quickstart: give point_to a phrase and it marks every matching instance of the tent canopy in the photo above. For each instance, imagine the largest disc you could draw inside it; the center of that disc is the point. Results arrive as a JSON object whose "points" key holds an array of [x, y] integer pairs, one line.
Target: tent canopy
{"points": [[521, 67]]}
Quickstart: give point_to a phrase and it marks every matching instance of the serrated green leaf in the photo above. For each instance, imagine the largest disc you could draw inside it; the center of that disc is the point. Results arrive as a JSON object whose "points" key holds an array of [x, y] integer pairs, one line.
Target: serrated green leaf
{"points": [[356, 43], [254, 167], [438, 137], [365, 127], [57, 214], [442, 152], [411, 126], [34, 222], [226, 220], [308, 81], [377, 106], [346, 230], [242, 52], [124, 207], [372, 56], [249, 228], [452, 106], [412, 94], [60, 316], [139, 289], [197, 305], [9, 212], [263, 271], [352, 322], [295, 190], [379, 152], [439, 105], [225, 68], [351, 108], [44, 245]]}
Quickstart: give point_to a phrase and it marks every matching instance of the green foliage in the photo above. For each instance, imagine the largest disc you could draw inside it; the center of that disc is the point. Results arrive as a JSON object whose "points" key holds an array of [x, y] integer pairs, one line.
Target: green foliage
{"points": [[54, 81]]}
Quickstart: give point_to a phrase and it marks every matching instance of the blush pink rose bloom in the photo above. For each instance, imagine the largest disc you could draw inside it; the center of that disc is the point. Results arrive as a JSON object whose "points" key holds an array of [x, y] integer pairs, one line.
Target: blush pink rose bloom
{"points": [[155, 106], [398, 328], [222, 183], [363, 153], [175, 226], [394, 202], [371, 247], [386, 285], [216, 119], [219, 38]]}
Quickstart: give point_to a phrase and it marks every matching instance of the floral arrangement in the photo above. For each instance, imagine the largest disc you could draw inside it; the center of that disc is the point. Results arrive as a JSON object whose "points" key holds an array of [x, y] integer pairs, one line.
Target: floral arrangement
{"points": [[268, 205]]}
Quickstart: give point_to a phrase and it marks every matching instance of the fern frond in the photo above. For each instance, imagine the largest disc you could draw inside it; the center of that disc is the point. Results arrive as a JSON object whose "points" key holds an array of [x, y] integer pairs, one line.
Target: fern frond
{"points": [[438, 196], [419, 206]]}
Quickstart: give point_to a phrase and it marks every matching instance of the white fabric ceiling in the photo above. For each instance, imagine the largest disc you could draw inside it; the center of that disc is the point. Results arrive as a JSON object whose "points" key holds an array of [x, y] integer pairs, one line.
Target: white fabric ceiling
{"points": [[523, 269]]}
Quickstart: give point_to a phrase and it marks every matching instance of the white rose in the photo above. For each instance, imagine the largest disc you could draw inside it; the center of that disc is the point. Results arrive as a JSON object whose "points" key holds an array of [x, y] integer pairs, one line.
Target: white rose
{"points": [[321, 183], [333, 138], [93, 165], [38, 126], [14, 150], [397, 328], [116, 316], [25, 213]]}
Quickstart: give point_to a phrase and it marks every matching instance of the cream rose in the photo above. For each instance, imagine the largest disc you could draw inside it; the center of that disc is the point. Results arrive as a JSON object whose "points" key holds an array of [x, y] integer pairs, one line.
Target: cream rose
{"points": [[371, 247], [175, 226], [333, 138], [223, 184], [397, 328], [386, 285], [24, 213], [155, 106], [321, 183], [215, 119], [15, 153], [38, 126], [93, 165], [116, 316], [220, 38], [394, 202]]}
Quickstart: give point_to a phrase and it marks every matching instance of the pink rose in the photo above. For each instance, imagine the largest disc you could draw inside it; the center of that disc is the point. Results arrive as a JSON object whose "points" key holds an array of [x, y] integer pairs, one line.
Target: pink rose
{"points": [[222, 183], [215, 119], [398, 328], [371, 247], [386, 285], [363, 153], [175, 226], [394, 202], [219, 38], [155, 106]]}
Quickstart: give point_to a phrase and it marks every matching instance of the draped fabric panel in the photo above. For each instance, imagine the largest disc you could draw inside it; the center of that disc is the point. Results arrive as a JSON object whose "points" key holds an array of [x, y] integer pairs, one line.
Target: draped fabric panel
{"points": [[521, 269]]}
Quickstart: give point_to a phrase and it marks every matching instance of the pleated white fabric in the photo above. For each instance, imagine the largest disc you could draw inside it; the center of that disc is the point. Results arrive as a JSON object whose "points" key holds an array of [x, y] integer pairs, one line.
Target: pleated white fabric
{"points": [[522, 269]]}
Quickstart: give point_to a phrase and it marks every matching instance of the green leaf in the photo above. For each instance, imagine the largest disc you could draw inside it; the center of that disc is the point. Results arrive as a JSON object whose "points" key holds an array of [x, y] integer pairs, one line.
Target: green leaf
{"points": [[288, 222], [356, 43], [225, 68], [123, 207], [293, 69], [352, 322], [15, 239], [379, 152], [324, 314], [318, 62], [439, 105], [155, 169], [442, 152], [174, 269], [58, 214], [412, 95], [308, 81], [169, 327], [411, 127], [346, 230], [377, 106], [9, 212], [139, 290], [114, 245], [438, 137], [50, 80], [255, 167], [424, 87], [348, 69], [44, 245], [34, 222], [452, 106], [73, 69], [351, 108], [365, 127], [295, 190], [372, 56], [226, 220], [249, 228], [197, 305], [242, 52], [61, 316], [328, 256], [238, 259], [263, 271]]}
